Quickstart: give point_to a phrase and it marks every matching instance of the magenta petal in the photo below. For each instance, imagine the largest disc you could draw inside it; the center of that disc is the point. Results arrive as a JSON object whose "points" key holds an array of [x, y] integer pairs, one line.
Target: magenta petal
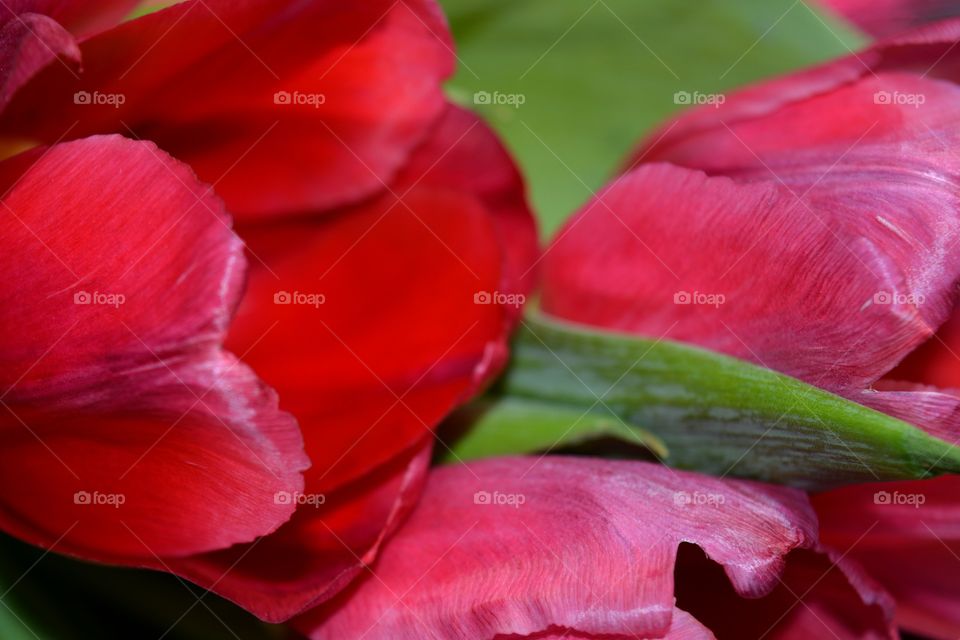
{"points": [[525, 546]]}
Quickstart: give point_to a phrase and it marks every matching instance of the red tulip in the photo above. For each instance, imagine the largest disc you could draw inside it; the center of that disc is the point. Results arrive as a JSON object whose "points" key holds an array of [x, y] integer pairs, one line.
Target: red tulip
{"points": [[810, 225], [578, 548], [373, 241], [887, 17]]}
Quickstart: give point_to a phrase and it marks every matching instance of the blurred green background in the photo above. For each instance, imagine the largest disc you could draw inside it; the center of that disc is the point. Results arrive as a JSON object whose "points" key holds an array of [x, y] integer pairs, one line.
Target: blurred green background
{"points": [[594, 76], [597, 75]]}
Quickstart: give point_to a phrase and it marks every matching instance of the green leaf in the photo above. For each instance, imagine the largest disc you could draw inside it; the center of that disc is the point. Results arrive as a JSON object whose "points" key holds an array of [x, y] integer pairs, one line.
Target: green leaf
{"points": [[504, 426], [718, 414], [596, 75]]}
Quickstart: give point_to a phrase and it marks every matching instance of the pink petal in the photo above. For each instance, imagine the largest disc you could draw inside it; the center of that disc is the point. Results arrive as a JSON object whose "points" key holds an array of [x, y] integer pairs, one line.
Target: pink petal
{"points": [[797, 295], [122, 275], [845, 265], [526, 546]]}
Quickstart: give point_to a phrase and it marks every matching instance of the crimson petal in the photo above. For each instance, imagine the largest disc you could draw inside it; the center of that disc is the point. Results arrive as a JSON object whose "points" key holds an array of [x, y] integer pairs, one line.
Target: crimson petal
{"points": [[127, 431]]}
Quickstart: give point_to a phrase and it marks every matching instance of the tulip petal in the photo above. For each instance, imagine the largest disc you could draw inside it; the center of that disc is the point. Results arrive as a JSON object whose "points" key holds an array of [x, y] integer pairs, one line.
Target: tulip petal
{"points": [[822, 288], [887, 148], [452, 157], [906, 535], [336, 280], [872, 96], [122, 276], [820, 594], [286, 107], [326, 544], [28, 43], [526, 546], [440, 237]]}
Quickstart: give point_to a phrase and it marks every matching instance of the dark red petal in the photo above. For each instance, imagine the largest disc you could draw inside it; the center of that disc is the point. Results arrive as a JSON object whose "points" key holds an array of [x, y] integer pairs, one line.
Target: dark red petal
{"points": [[820, 594], [887, 17], [202, 80], [935, 362], [317, 553], [743, 269], [121, 278], [907, 535], [526, 546]]}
